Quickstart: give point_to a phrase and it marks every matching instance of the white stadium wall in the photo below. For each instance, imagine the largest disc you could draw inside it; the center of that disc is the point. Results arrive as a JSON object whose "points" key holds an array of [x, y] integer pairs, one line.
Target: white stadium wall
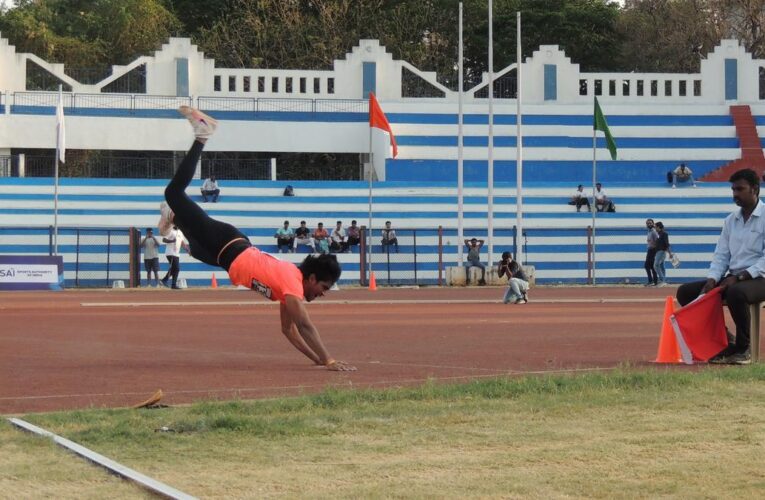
{"points": [[688, 119]]}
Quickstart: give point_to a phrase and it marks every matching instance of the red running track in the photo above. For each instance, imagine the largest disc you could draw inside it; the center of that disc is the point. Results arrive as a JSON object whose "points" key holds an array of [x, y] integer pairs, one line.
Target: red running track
{"points": [[113, 348]]}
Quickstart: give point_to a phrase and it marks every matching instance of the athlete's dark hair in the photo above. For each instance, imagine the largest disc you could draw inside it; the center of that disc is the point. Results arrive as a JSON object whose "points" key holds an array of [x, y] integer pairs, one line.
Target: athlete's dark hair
{"points": [[747, 174], [325, 267], [506, 255]]}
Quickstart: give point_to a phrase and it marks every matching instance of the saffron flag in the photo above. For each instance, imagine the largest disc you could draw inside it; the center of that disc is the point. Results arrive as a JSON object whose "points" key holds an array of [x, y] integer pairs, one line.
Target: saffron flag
{"points": [[377, 119], [60, 131], [700, 327], [599, 123]]}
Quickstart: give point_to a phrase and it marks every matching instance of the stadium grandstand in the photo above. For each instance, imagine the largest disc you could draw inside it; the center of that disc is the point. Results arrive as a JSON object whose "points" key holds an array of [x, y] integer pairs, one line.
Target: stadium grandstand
{"points": [[709, 121]]}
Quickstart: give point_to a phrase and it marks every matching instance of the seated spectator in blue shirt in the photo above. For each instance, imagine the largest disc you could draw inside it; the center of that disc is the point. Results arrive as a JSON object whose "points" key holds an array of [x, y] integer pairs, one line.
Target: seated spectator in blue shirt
{"points": [[285, 238], [738, 265]]}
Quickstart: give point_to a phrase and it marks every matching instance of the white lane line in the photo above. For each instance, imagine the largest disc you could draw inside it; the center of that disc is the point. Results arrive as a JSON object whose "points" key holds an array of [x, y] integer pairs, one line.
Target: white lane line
{"points": [[617, 300], [141, 479]]}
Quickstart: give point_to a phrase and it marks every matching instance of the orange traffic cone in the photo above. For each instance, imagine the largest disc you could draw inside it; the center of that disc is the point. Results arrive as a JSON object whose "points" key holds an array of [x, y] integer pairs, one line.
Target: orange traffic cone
{"points": [[214, 282], [372, 282], [669, 351]]}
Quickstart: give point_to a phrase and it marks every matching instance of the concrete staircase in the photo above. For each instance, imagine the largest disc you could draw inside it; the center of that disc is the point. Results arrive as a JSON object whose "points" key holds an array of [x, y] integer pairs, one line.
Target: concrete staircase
{"points": [[751, 148]]}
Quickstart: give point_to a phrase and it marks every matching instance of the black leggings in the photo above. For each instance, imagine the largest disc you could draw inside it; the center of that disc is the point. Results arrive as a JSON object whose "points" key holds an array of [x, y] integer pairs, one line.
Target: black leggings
{"points": [[206, 236], [650, 256]]}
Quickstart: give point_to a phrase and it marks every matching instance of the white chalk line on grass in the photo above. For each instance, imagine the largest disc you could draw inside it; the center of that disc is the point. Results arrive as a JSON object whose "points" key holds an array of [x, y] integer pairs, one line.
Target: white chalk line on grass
{"points": [[348, 383], [373, 302], [132, 475]]}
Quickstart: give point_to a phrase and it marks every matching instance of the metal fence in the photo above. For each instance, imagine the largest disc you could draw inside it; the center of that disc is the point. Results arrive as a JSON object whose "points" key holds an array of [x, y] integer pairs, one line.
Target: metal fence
{"points": [[5, 166], [233, 169], [397, 263], [93, 257], [105, 167], [73, 102]]}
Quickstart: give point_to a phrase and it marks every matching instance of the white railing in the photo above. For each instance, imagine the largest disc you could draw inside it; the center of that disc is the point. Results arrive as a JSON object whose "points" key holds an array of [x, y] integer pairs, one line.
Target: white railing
{"points": [[141, 102]]}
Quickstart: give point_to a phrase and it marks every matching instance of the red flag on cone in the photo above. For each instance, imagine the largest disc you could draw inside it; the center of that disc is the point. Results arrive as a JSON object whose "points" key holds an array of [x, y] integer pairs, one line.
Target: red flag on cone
{"points": [[377, 119], [372, 282], [214, 282], [700, 327], [669, 351]]}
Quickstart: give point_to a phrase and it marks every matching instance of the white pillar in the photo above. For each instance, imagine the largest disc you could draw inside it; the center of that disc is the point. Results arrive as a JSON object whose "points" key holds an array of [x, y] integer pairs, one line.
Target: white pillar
{"points": [[22, 165], [273, 169]]}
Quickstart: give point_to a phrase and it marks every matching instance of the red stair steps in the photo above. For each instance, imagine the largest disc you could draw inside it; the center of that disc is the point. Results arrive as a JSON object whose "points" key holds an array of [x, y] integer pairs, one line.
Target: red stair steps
{"points": [[749, 142]]}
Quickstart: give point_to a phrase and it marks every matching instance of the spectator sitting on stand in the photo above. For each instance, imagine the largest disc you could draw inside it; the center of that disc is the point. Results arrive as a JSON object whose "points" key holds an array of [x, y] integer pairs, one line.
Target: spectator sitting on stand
{"points": [[210, 188], [285, 238], [474, 260], [682, 174], [354, 235], [389, 238], [602, 202], [338, 239], [303, 237], [579, 198], [321, 237]]}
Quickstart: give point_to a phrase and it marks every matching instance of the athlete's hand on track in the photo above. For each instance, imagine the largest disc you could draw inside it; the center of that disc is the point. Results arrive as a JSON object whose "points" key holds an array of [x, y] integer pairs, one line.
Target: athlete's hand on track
{"points": [[339, 366]]}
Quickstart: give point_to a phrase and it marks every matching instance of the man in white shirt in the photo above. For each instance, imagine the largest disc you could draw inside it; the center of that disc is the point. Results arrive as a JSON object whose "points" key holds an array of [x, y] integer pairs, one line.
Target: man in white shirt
{"points": [[150, 245], [389, 238], [738, 264], [210, 188], [682, 174], [579, 198], [602, 202], [173, 243], [338, 241]]}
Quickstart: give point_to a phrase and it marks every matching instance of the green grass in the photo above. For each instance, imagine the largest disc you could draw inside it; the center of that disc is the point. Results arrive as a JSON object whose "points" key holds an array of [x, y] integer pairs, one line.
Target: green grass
{"points": [[624, 434]]}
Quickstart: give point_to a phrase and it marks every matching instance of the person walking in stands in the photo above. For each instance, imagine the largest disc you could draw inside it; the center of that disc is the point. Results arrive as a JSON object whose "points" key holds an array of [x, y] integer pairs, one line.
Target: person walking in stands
{"points": [[474, 260], [517, 281], [738, 265], [219, 244], [150, 245], [650, 253], [173, 241], [662, 249], [210, 188]]}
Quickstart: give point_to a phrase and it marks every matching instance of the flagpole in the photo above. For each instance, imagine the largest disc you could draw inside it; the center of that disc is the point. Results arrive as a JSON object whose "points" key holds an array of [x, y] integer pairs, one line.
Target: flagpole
{"points": [[594, 181], [518, 145], [371, 170], [460, 152], [490, 173], [55, 170]]}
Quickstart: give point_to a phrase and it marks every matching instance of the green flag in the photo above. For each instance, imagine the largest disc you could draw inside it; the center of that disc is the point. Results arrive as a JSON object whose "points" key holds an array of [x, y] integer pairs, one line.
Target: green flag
{"points": [[599, 123]]}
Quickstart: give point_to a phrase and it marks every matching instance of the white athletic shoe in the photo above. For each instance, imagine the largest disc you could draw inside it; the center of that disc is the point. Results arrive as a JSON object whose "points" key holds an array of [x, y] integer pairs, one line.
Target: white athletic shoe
{"points": [[203, 125], [165, 223]]}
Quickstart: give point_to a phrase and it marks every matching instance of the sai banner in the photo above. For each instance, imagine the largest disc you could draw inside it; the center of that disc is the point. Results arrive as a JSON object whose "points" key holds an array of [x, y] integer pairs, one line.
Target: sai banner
{"points": [[31, 272]]}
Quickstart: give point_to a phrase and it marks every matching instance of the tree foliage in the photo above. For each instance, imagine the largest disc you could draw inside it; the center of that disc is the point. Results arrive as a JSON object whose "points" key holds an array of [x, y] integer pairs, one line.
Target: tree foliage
{"points": [[310, 34], [88, 33], [599, 35]]}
